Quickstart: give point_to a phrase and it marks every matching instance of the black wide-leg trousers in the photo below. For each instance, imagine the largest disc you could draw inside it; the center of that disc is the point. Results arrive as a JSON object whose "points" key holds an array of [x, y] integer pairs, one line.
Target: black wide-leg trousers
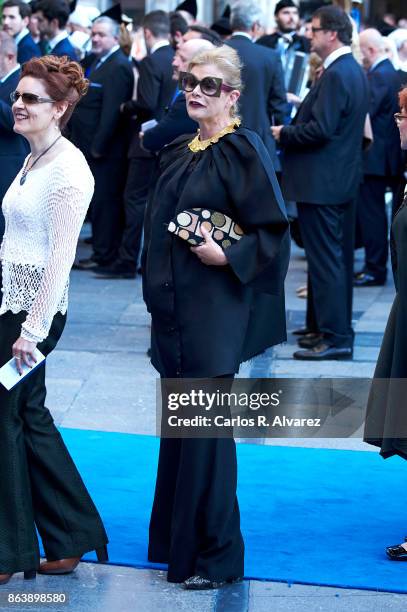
{"points": [[195, 520], [39, 483]]}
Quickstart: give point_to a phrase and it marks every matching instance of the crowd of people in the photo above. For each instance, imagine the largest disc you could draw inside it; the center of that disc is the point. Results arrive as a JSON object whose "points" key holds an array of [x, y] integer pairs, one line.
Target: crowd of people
{"points": [[190, 158]]}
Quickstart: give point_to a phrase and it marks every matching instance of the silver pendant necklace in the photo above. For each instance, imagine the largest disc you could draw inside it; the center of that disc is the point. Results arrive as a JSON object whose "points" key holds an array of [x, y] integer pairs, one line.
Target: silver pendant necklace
{"points": [[25, 171]]}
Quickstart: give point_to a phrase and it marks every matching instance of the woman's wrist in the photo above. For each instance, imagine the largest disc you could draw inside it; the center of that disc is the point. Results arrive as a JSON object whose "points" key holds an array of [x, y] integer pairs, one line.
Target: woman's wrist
{"points": [[29, 336]]}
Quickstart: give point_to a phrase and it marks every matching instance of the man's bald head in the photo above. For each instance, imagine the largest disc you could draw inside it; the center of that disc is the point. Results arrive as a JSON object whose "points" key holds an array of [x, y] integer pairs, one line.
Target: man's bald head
{"points": [[194, 46], [8, 53], [372, 46], [186, 51]]}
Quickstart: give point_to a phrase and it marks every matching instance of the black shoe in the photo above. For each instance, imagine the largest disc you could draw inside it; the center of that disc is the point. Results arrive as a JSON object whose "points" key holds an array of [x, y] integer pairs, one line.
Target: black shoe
{"points": [[116, 270], [396, 553], [324, 351], [198, 583], [85, 264], [303, 331], [367, 280], [359, 273], [310, 340]]}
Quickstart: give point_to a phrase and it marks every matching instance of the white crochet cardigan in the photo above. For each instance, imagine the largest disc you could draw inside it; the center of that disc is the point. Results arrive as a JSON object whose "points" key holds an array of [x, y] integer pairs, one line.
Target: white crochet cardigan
{"points": [[43, 220]]}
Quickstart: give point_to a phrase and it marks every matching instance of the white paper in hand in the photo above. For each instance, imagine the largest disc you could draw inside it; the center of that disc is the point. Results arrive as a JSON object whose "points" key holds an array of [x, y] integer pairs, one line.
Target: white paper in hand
{"points": [[9, 376], [148, 125]]}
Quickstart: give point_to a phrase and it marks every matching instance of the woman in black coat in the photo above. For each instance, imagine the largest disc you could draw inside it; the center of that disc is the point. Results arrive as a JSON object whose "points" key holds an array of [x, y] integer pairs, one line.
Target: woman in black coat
{"points": [[211, 308], [386, 416]]}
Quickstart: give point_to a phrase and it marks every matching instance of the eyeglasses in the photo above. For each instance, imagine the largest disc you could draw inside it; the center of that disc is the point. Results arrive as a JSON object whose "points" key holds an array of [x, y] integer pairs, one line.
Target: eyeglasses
{"points": [[28, 98], [210, 86], [398, 117], [313, 30]]}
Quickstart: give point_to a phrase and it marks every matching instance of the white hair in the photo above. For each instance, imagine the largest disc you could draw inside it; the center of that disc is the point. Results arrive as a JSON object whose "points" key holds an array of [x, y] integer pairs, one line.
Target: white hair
{"points": [[114, 26], [245, 13]]}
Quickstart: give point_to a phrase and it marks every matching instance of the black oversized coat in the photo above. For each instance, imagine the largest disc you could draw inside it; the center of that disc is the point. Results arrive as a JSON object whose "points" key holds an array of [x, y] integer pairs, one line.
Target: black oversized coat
{"points": [[206, 320], [386, 421]]}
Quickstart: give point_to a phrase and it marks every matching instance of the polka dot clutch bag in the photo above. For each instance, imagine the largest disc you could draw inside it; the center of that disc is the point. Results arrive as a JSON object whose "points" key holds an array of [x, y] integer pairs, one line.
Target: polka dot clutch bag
{"points": [[222, 228]]}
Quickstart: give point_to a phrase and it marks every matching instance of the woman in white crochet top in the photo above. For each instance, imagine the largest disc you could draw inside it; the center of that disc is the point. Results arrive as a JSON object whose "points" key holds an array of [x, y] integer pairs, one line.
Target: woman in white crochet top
{"points": [[44, 209]]}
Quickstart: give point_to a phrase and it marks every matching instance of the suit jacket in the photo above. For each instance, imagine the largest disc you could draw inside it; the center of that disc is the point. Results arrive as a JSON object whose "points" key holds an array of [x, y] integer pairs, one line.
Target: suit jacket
{"points": [[27, 48], [97, 125], [174, 123], [322, 162], [65, 47], [384, 157], [155, 89], [13, 147], [299, 43], [263, 101]]}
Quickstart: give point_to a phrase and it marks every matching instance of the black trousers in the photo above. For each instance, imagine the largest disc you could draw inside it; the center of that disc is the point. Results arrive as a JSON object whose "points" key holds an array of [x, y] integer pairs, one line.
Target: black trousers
{"points": [[39, 485], [195, 519], [135, 198], [328, 235], [372, 224], [107, 209]]}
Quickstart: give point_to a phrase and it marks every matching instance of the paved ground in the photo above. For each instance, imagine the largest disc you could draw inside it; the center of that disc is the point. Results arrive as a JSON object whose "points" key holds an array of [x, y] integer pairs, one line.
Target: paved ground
{"points": [[100, 378]]}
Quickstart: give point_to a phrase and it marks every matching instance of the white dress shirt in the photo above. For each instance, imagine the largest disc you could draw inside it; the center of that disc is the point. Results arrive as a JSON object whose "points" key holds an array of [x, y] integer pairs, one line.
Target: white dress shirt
{"points": [[335, 55]]}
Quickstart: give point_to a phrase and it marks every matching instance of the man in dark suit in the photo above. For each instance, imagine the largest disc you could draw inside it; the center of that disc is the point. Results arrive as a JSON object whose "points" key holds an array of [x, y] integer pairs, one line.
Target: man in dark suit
{"points": [[382, 161], [13, 147], [322, 167], [263, 102], [176, 120], [286, 37], [99, 130], [155, 90], [15, 18], [52, 16]]}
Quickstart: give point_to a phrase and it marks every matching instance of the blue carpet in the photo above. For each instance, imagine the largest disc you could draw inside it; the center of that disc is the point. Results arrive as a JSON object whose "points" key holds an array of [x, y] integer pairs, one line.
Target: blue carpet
{"points": [[311, 516]]}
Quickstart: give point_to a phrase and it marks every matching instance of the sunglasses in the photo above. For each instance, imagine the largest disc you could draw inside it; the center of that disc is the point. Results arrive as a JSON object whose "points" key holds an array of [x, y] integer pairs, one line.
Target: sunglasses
{"points": [[28, 98], [398, 117], [210, 86]]}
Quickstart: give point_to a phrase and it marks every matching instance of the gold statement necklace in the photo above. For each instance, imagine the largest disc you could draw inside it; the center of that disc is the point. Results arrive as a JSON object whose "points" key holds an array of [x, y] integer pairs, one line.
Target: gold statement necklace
{"points": [[200, 145]]}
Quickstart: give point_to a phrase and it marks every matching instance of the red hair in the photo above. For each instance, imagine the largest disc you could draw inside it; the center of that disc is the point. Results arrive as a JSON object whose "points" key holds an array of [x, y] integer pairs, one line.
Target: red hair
{"points": [[403, 99], [63, 80]]}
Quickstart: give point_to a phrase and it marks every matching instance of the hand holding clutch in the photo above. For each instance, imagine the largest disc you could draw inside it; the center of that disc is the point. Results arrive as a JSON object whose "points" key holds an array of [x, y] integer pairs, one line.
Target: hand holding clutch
{"points": [[210, 253], [222, 229]]}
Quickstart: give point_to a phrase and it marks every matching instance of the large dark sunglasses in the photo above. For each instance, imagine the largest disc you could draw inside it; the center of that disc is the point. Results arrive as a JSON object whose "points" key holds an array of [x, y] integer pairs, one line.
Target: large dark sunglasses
{"points": [[399, 117], [210, 86], [28, 98]]}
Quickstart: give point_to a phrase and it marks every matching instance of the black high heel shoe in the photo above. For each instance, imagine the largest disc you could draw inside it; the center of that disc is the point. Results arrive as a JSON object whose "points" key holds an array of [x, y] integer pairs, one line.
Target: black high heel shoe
{"points": [[396, 553], [199, 583], [28, 575]]}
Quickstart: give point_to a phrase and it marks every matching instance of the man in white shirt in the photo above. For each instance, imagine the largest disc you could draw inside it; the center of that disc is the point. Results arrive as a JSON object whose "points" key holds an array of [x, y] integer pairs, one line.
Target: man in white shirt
{"points": [[13, 147], [322, 168], [263, 101], [155, 90], [52, 16], [102, 134], [383, 164], [15, 18]]}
